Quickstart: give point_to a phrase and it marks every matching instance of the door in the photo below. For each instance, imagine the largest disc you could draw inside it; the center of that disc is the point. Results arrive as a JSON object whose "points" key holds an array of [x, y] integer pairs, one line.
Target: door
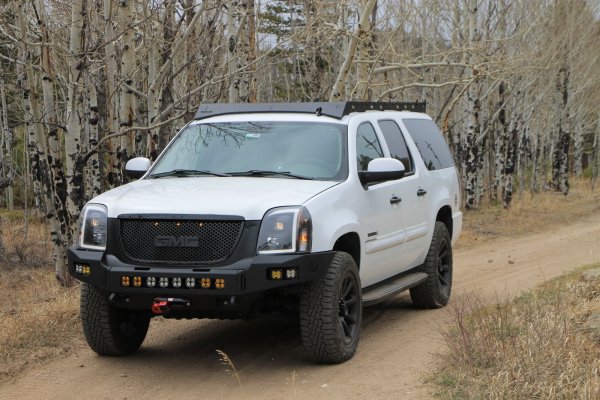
{"points": [[383, 212], [414, 211]]}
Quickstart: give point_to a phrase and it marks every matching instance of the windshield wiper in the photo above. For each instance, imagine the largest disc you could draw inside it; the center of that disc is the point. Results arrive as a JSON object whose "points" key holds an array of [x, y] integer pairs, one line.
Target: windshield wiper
{"points": [[260, 172], [185, 172]]}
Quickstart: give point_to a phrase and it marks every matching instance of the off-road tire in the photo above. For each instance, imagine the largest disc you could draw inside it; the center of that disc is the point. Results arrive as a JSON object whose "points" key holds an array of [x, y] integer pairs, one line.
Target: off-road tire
{"points": [[435, 291], [111, 331], [331, 312]]}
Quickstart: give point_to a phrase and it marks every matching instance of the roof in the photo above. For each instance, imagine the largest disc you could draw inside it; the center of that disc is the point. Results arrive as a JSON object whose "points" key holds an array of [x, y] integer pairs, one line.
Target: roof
{"points": [[334, 110]]}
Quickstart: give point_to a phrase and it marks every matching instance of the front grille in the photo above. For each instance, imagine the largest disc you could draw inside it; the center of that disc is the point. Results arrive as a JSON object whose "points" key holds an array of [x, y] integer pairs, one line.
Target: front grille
{"points": [[160, 241]]}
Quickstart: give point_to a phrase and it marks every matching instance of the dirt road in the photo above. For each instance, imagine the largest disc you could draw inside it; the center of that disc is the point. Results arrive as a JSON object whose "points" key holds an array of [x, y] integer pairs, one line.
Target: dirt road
{"points": [[179, 361]]}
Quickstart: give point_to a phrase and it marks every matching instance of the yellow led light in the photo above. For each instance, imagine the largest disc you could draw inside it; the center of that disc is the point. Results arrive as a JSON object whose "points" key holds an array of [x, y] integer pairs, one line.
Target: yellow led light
{"points": [[279, 226], [205, 283], [125, 281], [220, 283], [137, 281], [276, 274], [86, 270]]}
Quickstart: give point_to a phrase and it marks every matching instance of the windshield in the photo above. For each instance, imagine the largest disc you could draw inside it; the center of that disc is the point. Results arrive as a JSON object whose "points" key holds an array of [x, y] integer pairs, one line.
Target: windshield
{"points": [[307, 150]]}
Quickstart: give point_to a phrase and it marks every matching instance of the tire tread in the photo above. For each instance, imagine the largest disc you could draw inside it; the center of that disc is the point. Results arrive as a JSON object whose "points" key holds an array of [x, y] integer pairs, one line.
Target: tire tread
{"points": [[320, 333], [428, 294], [102, 333]]}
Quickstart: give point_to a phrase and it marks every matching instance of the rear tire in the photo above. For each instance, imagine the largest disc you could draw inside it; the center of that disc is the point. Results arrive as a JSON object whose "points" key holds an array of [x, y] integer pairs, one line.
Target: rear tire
{"points": [[331, 312], [435, 291], [111, 331]]}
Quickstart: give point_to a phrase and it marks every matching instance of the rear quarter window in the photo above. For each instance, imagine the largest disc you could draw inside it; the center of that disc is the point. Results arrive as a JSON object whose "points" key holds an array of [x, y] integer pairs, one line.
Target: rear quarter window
{"points": [[430, 142]]}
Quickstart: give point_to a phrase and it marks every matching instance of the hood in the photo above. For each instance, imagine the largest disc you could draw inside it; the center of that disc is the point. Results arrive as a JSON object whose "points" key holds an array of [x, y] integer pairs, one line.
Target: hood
{"points": [[247, 197]]}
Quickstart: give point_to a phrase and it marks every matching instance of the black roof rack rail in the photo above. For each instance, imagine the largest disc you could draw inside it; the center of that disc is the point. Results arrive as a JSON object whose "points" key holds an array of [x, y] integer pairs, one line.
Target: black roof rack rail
{"points": [[334, 110]]}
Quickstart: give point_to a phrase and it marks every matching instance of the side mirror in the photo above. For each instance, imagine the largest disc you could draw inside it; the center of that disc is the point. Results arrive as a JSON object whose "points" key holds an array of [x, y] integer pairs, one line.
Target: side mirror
{"points": [[382, 170], [137, 167]]}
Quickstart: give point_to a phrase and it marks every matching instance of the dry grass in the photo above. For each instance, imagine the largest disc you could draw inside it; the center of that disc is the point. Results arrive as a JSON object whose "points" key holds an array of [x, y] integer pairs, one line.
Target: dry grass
{"points": [[229, 367], [533, 347], [529, 213], [23, 244], [39, 318]]}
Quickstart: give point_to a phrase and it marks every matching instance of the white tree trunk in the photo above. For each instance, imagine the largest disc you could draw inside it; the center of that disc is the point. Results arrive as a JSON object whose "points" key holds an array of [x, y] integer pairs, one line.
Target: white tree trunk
{"points": [[6, 162], [127, 101], [92, 165], [167, 59], [233, 20], [152, 102], [38, 152], [339, 91], [364, 49], [74, 168], [241, 58], [52, 131], [473, 197], [112, 95]]}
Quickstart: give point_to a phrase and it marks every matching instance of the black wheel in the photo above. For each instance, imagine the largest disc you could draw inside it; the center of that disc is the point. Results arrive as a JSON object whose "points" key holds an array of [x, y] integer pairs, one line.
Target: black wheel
{"points": [[331, 312], [111, 331], [435, 291]]}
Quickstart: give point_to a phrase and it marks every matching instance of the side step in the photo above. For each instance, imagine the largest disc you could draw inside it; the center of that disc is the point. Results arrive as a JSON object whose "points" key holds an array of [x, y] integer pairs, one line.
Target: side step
{"points": [[380, 293]]}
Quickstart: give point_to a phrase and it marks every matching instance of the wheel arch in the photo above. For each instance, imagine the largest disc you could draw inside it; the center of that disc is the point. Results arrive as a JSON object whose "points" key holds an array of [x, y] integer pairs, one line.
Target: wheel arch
{"points": [[444, 215], [349, 243]]}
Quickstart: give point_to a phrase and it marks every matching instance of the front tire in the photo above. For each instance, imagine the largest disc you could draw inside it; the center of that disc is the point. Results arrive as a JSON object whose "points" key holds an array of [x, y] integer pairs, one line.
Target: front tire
{"points": [[435, 291], [331, 312], [111, 331]]}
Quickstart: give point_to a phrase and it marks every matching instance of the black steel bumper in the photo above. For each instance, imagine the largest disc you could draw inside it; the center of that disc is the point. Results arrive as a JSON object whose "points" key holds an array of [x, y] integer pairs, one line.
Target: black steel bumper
{"points": [[247, 277]]}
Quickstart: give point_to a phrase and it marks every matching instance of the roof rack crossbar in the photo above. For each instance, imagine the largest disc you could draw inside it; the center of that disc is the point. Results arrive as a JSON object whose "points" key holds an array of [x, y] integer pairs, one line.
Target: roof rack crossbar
{"points": [[334, 110]]}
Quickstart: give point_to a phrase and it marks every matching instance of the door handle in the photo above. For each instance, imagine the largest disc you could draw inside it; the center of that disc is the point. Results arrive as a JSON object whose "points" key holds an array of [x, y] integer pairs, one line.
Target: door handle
{"points": [[395, 200], [421, 192]]}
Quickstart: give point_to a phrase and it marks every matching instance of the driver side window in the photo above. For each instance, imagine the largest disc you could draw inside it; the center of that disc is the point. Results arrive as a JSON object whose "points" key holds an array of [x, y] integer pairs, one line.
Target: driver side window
{"points": [[367, 146]]}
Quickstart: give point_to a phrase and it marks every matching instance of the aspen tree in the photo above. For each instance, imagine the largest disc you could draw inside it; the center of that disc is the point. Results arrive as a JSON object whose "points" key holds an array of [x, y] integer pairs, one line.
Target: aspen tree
{"points": [[338, 92], [6, 138], [472, 111]]}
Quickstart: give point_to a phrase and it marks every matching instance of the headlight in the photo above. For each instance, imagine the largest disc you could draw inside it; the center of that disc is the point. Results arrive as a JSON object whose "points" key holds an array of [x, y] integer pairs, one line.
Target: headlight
{"points": [[285, 230], [92, 231]]}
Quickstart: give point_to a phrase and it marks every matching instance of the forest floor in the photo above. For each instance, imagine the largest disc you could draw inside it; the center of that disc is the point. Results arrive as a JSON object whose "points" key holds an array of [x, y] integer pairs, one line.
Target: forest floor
{"points": [[501, 254]]}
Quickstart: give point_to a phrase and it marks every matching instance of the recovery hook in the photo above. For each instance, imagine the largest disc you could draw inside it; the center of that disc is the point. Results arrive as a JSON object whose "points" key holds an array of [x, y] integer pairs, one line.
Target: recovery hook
{"points": [[163, 305]]}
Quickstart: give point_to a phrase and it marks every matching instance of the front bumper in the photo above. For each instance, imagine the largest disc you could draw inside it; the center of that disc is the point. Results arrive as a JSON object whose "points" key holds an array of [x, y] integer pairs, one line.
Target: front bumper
{"points": [[245, 277]]}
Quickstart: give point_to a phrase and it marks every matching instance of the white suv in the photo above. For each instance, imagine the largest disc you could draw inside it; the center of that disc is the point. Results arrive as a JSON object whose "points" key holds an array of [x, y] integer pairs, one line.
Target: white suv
{"points": [[307, 209]]}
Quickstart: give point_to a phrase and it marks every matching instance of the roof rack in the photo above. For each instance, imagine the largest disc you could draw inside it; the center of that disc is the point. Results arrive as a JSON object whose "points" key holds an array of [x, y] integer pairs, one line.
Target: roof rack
{"points": [[334, 110]]}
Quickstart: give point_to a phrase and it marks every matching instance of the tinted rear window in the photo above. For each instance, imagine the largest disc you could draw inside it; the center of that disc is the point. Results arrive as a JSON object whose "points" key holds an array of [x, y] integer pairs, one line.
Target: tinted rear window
{"points": [[430, 142], [396, 144]]}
